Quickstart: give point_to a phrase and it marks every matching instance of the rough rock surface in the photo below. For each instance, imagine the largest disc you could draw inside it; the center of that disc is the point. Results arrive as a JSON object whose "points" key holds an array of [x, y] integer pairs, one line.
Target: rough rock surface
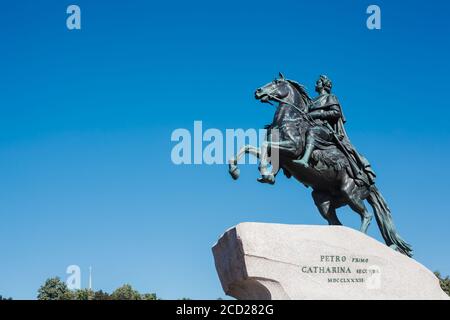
{"points": [[276, 261]]}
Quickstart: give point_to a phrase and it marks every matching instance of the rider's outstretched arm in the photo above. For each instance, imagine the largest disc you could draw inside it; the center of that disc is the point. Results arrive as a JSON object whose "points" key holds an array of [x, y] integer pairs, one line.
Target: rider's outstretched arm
{"points": [[332, 114]]}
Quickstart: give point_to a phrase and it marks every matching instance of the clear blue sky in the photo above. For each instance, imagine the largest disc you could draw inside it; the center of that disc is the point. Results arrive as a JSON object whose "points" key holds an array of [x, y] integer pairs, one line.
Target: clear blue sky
{"points": [[86, 118]]}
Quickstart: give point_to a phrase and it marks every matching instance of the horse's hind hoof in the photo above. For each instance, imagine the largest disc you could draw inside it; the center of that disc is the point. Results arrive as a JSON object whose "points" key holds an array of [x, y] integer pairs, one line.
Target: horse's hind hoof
{"points": [[234, 171]]}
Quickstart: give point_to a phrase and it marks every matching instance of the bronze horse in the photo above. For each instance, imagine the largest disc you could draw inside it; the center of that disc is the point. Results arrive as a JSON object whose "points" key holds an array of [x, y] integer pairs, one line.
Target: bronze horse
{"points": [[328, 176]]}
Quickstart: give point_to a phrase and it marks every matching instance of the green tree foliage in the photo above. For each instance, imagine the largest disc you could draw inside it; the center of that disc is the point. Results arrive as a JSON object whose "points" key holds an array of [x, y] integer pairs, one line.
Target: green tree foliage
{"points": [[83, 294], [101, 295], [445, 282], [54, 289], [149, 296], [126, 292], [3, 298]]}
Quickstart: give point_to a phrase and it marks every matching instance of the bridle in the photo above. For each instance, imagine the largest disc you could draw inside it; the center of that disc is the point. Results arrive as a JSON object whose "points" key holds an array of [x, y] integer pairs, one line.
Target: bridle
{"points": [[279, 100]]}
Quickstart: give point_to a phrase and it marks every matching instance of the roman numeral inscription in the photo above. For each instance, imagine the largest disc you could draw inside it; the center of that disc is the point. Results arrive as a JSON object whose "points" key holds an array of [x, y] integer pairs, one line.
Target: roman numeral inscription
{"points": [[341, 269]]}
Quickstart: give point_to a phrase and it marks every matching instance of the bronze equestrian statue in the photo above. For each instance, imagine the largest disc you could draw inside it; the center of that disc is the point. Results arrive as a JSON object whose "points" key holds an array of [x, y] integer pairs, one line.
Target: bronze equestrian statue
{"points": [[307, 140]]}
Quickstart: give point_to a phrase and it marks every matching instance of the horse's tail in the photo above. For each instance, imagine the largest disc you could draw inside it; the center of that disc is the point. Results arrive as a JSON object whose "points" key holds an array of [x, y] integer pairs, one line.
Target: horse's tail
{"points": [[386, 224]]}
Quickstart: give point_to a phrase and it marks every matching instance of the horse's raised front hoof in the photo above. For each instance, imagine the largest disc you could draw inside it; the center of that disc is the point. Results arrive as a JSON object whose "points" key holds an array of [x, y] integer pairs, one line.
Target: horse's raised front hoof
{"points": [[267, 178], [234, 171]]}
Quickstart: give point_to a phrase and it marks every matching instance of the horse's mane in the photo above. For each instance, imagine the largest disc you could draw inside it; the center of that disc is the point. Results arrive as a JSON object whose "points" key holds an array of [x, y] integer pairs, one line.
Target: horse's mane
{"points": [[301, 89]]}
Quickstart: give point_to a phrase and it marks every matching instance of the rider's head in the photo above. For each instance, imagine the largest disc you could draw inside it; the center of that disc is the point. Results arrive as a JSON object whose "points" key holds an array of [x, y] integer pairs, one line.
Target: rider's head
{"points": [[323, 83]]}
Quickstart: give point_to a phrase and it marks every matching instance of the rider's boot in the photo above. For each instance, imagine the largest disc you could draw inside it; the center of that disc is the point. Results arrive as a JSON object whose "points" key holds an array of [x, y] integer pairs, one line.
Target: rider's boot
{"points": [[305, 159]]}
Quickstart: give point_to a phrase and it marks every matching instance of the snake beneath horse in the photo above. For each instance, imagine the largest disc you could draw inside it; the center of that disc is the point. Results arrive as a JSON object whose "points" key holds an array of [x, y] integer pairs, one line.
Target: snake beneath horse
{"points": [[333, 187]]}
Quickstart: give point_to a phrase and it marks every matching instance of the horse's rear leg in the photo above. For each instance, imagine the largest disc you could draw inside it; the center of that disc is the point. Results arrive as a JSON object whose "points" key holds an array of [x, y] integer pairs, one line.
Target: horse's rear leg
{"points": [[324, 203], [358, 206], [353, 198]]}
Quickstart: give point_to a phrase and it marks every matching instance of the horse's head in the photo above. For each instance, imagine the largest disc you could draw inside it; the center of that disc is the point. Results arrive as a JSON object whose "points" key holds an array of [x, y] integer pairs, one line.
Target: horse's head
{"points": [[284, 91], [276, 90]]}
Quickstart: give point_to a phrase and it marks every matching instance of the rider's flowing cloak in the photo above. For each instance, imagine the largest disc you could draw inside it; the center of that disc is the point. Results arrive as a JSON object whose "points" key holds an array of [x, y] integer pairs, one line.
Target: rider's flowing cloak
{"points": [[329, 102]]}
